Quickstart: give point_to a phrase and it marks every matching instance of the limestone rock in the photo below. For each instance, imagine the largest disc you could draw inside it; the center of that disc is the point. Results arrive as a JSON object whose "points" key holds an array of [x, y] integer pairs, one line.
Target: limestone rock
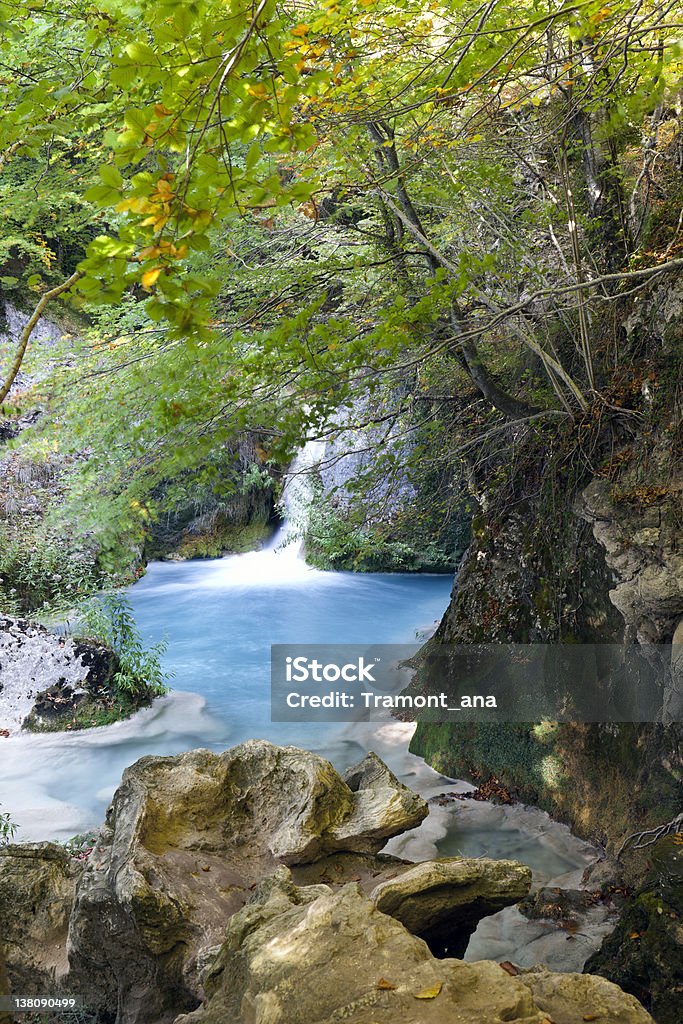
{"points": [[44, 676], [568, 906], [641, 545], [186, 837], [442, 901], [382, 805], [300, 956], [603, 875], [571, 998], [37, 887]]}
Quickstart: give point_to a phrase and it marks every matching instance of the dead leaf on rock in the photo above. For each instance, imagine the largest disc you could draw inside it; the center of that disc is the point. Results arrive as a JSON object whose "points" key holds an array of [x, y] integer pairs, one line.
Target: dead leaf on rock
{"points": [[592, 1016], [429, 993], [509, 967], [384, 984]]}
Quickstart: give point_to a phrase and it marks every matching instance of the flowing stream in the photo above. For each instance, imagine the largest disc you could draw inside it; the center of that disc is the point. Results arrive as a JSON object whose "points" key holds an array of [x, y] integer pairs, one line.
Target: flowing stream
{"points": [[220, 618]]}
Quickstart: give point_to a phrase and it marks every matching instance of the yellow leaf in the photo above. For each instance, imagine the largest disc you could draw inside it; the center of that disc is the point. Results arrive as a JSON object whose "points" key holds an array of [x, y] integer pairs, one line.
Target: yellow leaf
{"points": [[301, 30], [260, 91], [149, 277], [429, 993], [155, 221], [137, 205], [386, 985]]}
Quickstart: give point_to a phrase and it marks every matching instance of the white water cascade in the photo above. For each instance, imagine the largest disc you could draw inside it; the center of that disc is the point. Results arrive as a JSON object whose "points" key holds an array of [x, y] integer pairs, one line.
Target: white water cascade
{"points": [[280, 562], [297, 495]]}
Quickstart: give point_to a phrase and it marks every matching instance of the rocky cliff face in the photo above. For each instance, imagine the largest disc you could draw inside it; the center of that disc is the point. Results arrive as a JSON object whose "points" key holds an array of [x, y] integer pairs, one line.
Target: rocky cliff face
{"points": [[590, 550]]}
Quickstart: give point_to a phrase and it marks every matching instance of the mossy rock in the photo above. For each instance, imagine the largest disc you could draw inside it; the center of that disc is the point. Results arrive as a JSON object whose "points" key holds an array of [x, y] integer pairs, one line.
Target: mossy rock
{"points": [[644, 954], [221, 538]]}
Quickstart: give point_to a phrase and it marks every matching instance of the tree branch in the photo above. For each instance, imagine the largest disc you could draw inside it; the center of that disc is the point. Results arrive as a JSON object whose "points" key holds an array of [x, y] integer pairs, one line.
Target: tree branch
{"points": [[28, 330]]}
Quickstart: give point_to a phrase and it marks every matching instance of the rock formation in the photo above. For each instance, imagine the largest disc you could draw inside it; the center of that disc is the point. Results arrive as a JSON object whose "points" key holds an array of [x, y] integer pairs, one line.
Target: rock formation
{"points": [[45, 677], [442, 901], [37, 889], [313, 956], [274, 845], [185, 839]]}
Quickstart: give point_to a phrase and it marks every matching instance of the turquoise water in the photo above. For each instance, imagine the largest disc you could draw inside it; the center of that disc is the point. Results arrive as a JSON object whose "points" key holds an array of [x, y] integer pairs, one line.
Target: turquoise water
{"points": [[220, 618]]}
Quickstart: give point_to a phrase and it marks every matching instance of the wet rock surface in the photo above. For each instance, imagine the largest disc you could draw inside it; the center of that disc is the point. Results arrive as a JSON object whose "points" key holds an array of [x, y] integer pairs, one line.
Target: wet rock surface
{"points": [[45, 677]]}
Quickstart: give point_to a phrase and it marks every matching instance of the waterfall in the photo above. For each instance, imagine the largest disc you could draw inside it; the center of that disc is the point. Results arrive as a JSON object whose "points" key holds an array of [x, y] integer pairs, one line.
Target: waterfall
{"points": [[297, 494], [280, 562]]}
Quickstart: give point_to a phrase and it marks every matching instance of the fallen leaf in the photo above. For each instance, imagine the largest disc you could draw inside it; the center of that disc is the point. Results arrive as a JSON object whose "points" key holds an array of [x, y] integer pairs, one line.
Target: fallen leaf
{"points": [[509, 967], [592, 1016], [384, 984], [429, 993]]}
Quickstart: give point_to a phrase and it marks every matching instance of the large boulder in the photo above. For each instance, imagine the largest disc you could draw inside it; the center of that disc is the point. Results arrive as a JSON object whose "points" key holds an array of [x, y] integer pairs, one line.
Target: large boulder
{"points": [[442, 901], [381, 806], [37, 891], [314, 956], [185, 840]]}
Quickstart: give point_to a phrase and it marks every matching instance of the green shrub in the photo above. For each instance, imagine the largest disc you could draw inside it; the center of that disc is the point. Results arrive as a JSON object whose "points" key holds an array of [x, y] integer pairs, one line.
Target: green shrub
{"points": [[7, 828], [334, 540], [139, 674], [36, 575]]}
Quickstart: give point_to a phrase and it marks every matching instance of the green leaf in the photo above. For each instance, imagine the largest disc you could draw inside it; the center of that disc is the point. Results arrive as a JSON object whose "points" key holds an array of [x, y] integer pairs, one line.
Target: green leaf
{"points": [[141, 53], [111, 175]]}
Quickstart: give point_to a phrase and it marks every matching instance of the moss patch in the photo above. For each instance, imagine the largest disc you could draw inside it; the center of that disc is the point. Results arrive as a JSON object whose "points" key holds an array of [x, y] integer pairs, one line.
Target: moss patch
{"points": [[606, 781], [220, 538]]}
